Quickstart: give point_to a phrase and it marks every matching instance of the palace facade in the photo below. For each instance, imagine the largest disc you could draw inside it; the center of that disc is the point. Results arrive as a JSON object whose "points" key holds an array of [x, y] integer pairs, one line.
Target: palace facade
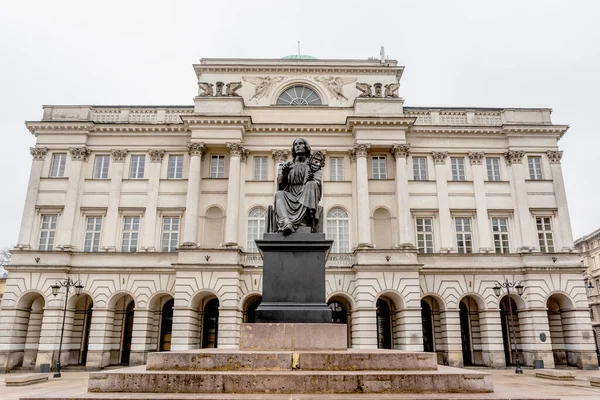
{"points": [[589, 249], [156, 209]]}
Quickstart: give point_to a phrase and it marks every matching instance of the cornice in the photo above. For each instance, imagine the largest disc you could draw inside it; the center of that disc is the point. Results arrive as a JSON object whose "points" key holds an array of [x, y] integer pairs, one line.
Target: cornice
{"points": [[138, 128], [216, 120], [301, 69], [379, 122], [456, 130], [536, 129], [73, 127], [296, 128]]}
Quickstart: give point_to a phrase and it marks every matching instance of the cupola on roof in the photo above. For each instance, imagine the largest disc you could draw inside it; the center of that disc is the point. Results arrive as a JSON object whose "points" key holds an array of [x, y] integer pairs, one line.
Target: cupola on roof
{"points": [[299, 57]]}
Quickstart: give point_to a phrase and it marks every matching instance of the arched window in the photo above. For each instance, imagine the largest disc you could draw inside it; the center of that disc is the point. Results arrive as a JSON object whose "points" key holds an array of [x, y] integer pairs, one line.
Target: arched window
{"points": [[338, 230], [257, 219], [299, 96]]}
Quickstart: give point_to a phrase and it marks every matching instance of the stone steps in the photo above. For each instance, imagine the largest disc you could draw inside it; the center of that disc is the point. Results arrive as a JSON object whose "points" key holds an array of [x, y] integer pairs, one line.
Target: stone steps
{"points": [[346, 360], [140, 380]]}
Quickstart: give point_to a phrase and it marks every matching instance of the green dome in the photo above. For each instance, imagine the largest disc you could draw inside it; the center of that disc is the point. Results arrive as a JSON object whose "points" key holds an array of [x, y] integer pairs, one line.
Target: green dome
{"points": [[299, 57]]}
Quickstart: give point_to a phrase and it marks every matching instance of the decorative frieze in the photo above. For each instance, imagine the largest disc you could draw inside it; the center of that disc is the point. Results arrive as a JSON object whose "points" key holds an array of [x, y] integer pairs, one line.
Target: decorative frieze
{"points": [[195, 149], [514, 157], [554, 156], [476, 157], [235, 149], [439, 157], [156, 155], [280, 156], [38, 153], [400, 150], [118, 155], [80, 153]]}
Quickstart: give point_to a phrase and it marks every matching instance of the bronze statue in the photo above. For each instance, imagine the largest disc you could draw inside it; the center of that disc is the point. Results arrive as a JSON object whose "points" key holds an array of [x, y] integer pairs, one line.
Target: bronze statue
{"points": [[299, 190]]}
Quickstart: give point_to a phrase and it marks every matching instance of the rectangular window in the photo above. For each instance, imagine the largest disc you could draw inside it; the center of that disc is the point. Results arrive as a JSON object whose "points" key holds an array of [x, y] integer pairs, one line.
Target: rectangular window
{"points": [[500, 232], [458, 168], [545, 237], [336, 169], [424, 235], [101, 167], [93, 229], [217, 167], [47, 232], [464, 235], [379, 167], [131, 233], [493, 169], [420, 168], [57, 167], [535, 168], [138, 164], [170, 233], [175, 170], [260, 168]]}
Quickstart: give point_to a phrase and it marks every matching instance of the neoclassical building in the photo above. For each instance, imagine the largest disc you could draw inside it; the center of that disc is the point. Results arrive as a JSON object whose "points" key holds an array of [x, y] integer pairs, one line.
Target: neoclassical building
{"points": [[156, 209], [589, 249]]}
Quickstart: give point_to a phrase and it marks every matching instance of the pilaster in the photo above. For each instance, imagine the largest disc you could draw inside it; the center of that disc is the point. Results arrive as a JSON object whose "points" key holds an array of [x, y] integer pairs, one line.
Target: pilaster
{"points": [[150, 215], [560, 194], [236, 150], [359, 153], [109, 238], [406, 237], [28, 221], [441, 182], [451, 337], [485, 238], [190, 231], [523, 219], [66, 237]]}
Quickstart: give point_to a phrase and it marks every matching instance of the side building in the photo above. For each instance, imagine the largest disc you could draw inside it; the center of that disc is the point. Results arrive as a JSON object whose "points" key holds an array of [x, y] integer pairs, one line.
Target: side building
{"points": [[589, 249], [156, 209]]}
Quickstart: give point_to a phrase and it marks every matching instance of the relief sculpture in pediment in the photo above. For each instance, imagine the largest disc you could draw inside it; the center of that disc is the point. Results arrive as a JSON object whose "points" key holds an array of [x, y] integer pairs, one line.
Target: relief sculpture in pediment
{"points": [[263, 84], [335, 85]]}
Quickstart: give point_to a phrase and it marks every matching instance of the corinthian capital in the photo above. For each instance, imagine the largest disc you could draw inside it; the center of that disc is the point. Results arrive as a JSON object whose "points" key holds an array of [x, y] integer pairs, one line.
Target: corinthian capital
{"points": [[514, 157], [195, 148], [554, 156], [400, 150], [80, 153], [476, 157], [360, 150], [280, 156], [118, 155], [156, 155], [439, 157], [235, 149], [38, 153]]}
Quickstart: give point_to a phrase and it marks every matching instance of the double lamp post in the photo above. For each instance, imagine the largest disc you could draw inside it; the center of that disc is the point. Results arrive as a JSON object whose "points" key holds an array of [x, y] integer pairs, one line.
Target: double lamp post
{"points": [[519, 288]]}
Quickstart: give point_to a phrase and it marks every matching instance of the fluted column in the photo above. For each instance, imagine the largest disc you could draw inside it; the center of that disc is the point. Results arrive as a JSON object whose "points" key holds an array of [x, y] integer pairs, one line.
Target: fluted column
{"points": [[148, 238], [233, 193], [28, 220], [406, 237], [523, 219], [359, 153], [79, 156], [280, 157], [109, 238], [441, 182], [190, 230], [561, 200], [485, 236]]}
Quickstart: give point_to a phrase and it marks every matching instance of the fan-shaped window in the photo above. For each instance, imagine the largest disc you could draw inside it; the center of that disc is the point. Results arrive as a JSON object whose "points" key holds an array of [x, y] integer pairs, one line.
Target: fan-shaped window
{"points": [[256, 227], [338, 230], [299, 96]]}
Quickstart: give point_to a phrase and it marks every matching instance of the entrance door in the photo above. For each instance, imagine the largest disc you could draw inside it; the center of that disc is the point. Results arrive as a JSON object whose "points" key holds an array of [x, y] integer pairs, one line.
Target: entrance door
{"points": [[427, 322], [465, 333], [166, 326], [127, 331]]}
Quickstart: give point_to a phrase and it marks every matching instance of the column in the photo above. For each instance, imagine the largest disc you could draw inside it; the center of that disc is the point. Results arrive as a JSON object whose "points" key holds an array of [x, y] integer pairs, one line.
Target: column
{"points": [[406, 236], [150, 215], [561, 200], [441, 182], [523, 219], [187, 329], [141, 336], [451, 337], [190, 229], [100, 340], [485, 236], [28, 221], [109, 238], [492, 344], [233, 194], [79, 155], [280, 157], [409, 328], [359, 152]]}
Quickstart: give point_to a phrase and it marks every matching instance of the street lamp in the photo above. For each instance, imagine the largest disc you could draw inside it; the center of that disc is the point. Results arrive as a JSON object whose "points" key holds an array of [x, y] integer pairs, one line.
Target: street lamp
{"points": [[68, 283], [519, 288]]}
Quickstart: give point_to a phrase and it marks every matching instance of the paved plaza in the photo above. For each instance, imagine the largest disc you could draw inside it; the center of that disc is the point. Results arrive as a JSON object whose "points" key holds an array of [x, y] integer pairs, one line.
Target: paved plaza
{"points": [[507, 385]]}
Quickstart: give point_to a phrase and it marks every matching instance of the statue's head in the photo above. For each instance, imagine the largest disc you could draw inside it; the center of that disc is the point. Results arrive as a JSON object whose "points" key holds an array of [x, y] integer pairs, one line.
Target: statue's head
{"points": [[300, 146]]}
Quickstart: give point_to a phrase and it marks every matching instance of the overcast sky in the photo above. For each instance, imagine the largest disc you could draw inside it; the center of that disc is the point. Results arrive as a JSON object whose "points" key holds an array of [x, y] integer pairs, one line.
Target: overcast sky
{"points": [[457, 53]]}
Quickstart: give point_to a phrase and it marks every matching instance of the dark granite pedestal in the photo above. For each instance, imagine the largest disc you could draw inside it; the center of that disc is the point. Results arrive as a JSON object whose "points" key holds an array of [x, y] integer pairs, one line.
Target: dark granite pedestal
{"points": [[294, 278]]}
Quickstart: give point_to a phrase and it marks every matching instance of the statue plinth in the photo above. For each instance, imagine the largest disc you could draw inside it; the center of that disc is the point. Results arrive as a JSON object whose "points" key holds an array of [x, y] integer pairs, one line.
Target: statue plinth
{"points": [[294, 278]]}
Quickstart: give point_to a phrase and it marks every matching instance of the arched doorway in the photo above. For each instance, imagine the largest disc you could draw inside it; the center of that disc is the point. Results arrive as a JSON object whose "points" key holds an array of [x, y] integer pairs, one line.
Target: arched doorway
{"points": [[384, 323], [508, 338], [250, 309], [29, 326], [210, 324], [470, 332], [428, 329], [559, 311], [80, 332], [166, 326]]}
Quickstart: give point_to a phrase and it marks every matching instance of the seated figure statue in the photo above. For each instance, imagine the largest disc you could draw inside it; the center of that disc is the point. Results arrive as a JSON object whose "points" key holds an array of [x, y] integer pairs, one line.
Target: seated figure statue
{"points": [[299, 191]]}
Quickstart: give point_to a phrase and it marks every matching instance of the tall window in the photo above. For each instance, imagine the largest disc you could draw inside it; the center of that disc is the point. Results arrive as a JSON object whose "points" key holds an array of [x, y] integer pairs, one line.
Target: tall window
{"points": [[424, 234], [93, 229], [138, 163], [57, 167], [175, 170], [260, 168], [256, 227], [101, 167], [458, 168], [500, 232], [131, 232], [217, 167], [535, 167], [47, 232], [170, 233], [379, 167], [420, 168], [493, 168], [545, 237], [338, 230], [336, 169], [464, 235]]}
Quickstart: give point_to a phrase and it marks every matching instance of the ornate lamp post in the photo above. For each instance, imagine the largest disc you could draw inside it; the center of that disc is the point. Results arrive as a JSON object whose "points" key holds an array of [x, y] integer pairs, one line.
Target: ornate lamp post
{"points": [[68, 283], [519, 288]]}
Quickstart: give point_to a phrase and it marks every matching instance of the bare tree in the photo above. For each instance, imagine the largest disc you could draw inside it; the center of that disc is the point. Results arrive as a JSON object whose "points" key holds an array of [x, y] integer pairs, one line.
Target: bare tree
{"points": [[4, 260]]}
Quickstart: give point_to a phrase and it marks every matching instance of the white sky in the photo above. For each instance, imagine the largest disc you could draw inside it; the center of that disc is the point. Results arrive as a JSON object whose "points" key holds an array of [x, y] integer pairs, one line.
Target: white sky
{"points": [[457, 53]]}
